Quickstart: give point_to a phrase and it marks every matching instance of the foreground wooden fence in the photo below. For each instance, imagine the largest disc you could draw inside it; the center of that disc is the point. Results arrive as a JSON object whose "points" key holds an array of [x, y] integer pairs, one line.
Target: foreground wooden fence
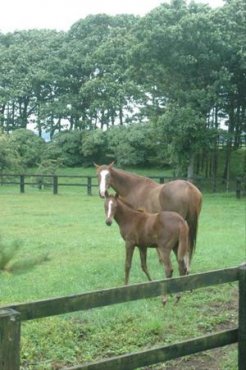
{"points": [[90, 182], [12, 316]]}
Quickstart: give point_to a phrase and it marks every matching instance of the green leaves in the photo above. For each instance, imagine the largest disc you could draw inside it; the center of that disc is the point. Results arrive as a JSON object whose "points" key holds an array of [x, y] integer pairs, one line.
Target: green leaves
{"points": [[182, 65]]}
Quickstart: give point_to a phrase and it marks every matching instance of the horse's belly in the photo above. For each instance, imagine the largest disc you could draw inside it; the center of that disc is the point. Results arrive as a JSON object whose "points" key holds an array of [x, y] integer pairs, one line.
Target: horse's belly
{"points": [[149, 240]]}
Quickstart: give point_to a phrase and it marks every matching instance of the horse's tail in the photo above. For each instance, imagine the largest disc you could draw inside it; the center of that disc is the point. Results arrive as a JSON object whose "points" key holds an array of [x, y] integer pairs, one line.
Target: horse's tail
{"points": [[192, 220], [184, 245]]}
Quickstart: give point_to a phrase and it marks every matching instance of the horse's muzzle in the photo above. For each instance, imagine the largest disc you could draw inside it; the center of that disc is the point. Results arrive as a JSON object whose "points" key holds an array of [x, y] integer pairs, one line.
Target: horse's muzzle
{"points": [[103, 195], [108, 222]]}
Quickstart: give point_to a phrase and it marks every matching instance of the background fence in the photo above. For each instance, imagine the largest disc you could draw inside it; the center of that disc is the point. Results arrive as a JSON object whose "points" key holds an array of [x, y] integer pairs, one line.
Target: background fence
{"points": [[55, 182], [11, 317]]}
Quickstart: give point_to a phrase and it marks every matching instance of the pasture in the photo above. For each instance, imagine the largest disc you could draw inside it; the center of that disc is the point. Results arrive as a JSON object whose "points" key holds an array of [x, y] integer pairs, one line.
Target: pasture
{"points": [[66, 248]]}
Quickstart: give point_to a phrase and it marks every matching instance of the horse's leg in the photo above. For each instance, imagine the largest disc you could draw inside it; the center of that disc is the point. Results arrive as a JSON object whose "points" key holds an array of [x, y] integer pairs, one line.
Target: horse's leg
{"points": [[143, 257], [158, 254], [128, 261], [164, 252], [182, 256], [183, 268]]}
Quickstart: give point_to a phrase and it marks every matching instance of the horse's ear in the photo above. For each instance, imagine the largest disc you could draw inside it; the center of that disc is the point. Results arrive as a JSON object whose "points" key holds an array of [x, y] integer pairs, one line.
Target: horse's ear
{"points": [[111, 164], [96, 165]]}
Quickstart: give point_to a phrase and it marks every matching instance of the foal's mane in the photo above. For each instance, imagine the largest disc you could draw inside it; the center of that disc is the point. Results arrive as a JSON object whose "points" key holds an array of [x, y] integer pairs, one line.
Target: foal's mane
{"points": [[140, 210]]}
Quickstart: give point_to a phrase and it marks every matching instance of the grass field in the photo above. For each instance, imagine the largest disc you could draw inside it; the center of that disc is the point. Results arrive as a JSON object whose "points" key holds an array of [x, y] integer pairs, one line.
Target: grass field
{"points": [[64, 247]]}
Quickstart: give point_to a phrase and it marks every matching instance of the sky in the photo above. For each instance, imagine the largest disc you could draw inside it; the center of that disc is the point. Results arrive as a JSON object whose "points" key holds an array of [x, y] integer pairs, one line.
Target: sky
{"points": [[62, 14]]}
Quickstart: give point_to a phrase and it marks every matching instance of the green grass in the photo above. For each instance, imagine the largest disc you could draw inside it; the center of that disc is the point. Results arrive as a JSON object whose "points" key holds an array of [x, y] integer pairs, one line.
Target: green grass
{"points": [[66, 248]]}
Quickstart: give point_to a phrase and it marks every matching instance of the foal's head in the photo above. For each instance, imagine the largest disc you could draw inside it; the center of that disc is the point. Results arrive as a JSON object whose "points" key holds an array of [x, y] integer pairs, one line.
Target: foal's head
{"points": [[110, 206], [103, 174]]}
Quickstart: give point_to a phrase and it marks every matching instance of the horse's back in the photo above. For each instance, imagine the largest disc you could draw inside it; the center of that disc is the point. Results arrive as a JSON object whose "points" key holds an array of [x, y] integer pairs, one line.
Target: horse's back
{"points": [[180, 196]]}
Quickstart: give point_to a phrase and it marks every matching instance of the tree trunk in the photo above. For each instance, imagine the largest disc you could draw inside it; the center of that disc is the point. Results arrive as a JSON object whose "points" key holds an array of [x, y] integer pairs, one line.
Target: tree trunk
{"points": [[190, 169], [229, 142]]}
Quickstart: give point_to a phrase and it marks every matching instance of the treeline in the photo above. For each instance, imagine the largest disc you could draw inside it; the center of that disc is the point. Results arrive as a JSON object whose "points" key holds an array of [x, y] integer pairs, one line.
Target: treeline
{"points": [[157, 89]]}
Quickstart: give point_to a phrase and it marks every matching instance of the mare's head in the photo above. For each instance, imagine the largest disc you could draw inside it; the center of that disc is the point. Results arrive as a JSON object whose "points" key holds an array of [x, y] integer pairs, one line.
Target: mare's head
{"points": [[104, 177], [110, 206]]}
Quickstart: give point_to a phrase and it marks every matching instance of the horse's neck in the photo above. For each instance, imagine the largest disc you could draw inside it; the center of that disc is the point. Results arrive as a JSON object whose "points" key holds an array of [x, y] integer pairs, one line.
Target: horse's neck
{"points": [[133, 189], [126, 183], [122, 182], [124, 215]]}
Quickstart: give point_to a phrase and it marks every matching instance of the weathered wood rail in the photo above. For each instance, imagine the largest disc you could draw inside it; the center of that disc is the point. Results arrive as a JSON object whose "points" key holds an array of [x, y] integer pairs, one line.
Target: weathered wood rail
{"points": [[89, 182], [12, 316], [52, 181]]}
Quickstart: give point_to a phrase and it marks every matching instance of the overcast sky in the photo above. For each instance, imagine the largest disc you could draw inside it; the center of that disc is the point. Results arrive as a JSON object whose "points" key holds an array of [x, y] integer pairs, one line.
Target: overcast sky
{"points": [[62, 14]]}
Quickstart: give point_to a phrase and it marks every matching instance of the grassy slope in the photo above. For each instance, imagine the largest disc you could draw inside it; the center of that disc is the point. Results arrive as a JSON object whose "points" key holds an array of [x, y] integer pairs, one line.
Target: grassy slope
{"points": [[86, 255]]}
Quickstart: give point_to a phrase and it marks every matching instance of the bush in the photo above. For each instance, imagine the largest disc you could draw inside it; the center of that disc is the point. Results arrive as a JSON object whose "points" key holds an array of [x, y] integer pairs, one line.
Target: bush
{"points": [[65, 146], [9, 157], [94, 147], [28, 146]]}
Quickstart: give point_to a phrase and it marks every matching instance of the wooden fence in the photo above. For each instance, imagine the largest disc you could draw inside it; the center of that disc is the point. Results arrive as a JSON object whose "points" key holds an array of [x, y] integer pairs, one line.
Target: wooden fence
{"points": [[90, 182], [12, 316]]}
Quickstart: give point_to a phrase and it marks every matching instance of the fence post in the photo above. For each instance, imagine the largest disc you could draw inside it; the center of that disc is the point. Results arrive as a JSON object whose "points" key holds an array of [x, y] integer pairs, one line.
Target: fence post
{"points": [[89, 185], [238, 188], [55, 184], [242, 319], [22, 183], [9, 339]]}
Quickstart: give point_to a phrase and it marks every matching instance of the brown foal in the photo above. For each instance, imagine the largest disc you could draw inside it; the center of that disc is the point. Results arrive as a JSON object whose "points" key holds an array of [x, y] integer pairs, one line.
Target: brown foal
{"points": [[166, 231]]}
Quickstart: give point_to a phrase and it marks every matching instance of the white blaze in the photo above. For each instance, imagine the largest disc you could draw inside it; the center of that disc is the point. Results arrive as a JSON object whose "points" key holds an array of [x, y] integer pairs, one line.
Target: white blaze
{"points": [[110, 203], [102, 187]]}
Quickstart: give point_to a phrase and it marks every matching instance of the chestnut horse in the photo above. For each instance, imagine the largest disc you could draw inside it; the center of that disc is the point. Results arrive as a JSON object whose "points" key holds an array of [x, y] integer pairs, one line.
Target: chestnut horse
{"points": [[143, 193], [165, 231]]}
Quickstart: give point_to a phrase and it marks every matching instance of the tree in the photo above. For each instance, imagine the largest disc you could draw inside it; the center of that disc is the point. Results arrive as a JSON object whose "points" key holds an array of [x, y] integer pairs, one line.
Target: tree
{"points": [[183, 133], [178, 59], [231, 26], [26, 80]]}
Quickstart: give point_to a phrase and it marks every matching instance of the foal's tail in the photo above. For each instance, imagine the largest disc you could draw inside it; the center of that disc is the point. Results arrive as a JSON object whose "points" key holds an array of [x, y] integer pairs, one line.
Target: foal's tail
{"points": [[184, 245]]}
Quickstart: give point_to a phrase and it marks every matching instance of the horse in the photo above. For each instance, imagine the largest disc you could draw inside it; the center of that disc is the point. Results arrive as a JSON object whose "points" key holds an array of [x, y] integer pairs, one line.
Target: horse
{"points": [[141, 192], [166, 231]]}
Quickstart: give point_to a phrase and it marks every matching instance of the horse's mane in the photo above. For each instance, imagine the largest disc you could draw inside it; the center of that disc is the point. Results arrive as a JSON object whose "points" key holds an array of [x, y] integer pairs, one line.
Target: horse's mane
{"points": [[132, 174], [140, 210]]}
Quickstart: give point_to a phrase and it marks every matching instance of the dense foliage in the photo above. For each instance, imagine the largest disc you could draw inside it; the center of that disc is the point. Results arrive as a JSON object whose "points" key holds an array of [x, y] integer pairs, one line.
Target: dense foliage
{"points": [[156, 89]]}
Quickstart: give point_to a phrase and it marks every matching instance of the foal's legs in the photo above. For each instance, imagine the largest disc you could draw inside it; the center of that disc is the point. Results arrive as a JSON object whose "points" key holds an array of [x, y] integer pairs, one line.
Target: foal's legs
{"points": [[164, 252], [128, 260], [183, 269], [143, 257]]}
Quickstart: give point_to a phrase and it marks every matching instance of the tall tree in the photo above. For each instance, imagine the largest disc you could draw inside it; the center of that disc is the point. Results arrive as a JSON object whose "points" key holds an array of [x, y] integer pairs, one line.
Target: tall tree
{"points": [[25, 78], [231, 26], [178, 61]]}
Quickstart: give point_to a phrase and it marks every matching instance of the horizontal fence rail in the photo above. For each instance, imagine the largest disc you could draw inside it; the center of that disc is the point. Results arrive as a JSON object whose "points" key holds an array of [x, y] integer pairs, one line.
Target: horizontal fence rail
{"points": [[163, 354], [89, 182], [12, 315], [106, 297]]}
